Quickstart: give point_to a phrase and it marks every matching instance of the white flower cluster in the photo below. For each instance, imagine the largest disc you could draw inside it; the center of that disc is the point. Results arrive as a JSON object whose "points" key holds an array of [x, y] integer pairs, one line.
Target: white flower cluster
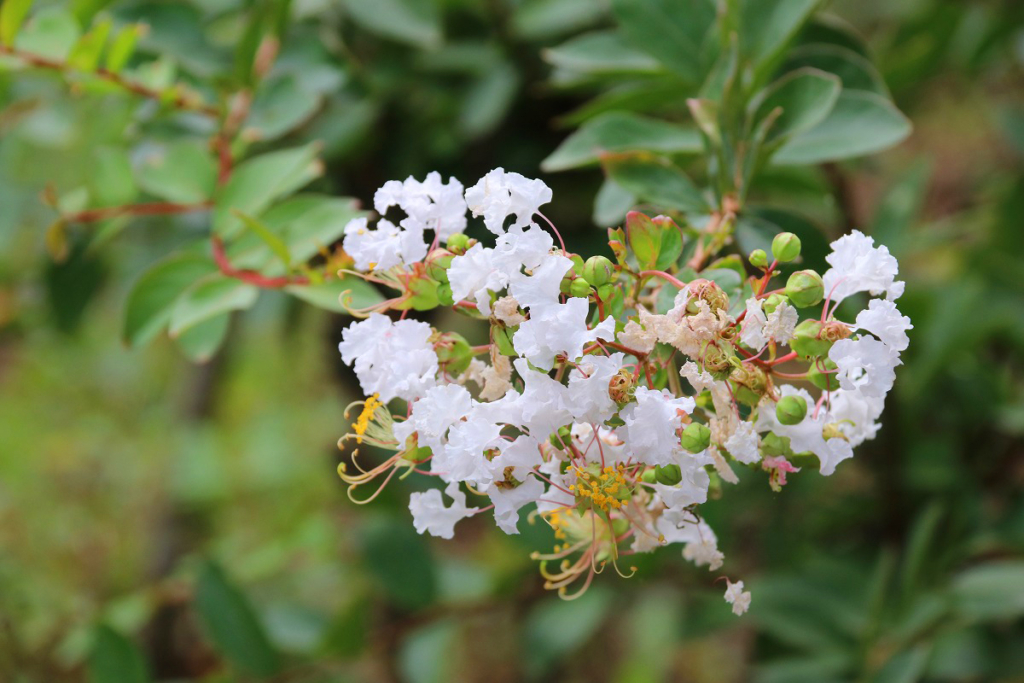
{"points": [[611, 418]]}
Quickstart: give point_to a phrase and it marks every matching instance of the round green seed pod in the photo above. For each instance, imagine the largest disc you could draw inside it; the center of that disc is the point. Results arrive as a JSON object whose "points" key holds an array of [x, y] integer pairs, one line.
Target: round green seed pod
{"points": [[598, 270], [785, 247], [791, 410], [695, 437], [579, 288], [805, 288]]}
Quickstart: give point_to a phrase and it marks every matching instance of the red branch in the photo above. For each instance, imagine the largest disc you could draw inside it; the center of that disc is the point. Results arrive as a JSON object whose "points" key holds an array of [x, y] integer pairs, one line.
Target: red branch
{"points": [[250, 276], [179, 101], [148, 209]]}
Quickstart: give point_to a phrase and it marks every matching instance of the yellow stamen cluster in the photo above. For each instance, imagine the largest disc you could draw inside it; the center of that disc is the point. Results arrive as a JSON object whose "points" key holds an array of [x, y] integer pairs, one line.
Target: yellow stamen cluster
{"points": [[601, 489], [554, 518], [363, 421]]}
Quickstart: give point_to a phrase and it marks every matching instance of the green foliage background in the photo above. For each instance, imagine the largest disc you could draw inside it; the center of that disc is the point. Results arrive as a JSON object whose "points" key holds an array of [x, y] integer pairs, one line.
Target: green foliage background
{"points": [[161, 520]]}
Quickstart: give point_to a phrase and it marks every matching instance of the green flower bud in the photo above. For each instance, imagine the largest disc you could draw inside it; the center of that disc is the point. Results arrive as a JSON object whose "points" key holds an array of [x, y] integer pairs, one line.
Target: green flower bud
{"points": [[807, 340], [805, 288], [670, 475], [565, 286], [598, 270], [791, 410], [453, 353], [709, 291], [501, 336], [822, 374], [579, 288], [749, 383], [458, 243], [695, 437], [773, 301], [437, 263], [648, 477], [444, 295], [718, 358], [758, 258], [561, 439], [423, 295], [774, 445], [785, 247]]}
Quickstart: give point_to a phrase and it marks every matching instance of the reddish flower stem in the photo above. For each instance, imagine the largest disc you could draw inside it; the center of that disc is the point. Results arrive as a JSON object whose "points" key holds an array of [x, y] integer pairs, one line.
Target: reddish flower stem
{"points": [[250, 276], [148, 209]]}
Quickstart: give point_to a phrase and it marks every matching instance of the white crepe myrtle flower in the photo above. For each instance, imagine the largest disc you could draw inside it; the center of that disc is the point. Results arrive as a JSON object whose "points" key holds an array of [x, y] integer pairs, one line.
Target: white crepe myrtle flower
{"points": [[588, 397], [855, 415], [578, 420], [544, 403], [501, 194], [430, 515], [508, 501], [393, 360], [538, 289], [558, 329], [434, 413], [737, 597], [859, 266], [808, 434], [382, 248], [743, 444], [865, 365], [652, 423], [759, 328], [429, 205], [753, 325], [474, 275], [883, 319]]}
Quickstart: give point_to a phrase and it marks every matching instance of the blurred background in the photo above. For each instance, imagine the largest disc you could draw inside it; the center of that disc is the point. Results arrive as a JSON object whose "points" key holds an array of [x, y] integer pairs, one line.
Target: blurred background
{"points": [[167, 520]]}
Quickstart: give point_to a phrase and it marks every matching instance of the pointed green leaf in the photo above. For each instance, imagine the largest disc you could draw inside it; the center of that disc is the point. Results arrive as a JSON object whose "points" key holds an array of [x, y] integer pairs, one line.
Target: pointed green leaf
{"points": [[601, 52], [122, 47], [621, 132], [183, 172], [12, 14], [860, 123], [85, 55], [328, 295], [673, 31], [854, 69], [232, 625], [115, 659], [200, 342], [151, 301], [805, 96], [210, 297], [417, 22], [260, 181], [267, 236], [656, 181]]}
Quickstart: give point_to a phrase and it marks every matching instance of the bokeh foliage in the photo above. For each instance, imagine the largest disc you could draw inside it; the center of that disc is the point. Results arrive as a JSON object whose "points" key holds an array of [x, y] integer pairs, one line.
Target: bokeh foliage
{"points": [[162, 521]]}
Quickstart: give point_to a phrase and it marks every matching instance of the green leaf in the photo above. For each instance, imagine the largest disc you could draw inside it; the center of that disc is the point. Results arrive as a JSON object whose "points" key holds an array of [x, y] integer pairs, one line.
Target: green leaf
{"points": [[806, 96], [85, 55], [544, 19], [328, 295], [612, 204], [856, 71], [671, 247], [51, 33], [673, 31], [860, 123], [399, 560], [231, 623], [115, 659], [12, 14], [208, 298], [601, 52], [281, 105], [122, 47], [201, 341], [268, 237], [555, 628], [151, 300], [259, 182], [657, 181], [183, 172], [991, 591], [488, 100], [416, 22], [905, 667], [769, 25], [111, 179], [621, 132]]}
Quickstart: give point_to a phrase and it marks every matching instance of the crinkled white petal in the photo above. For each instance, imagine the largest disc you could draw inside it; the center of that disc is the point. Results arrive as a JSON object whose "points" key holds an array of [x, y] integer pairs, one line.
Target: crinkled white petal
{"points": [[884, 320], [865, 365], [558, 329], [651, 425], [806, 435], [588, 396], [499, 195], [392, 359], [429, 513], [432, 416], [859, 266]]}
